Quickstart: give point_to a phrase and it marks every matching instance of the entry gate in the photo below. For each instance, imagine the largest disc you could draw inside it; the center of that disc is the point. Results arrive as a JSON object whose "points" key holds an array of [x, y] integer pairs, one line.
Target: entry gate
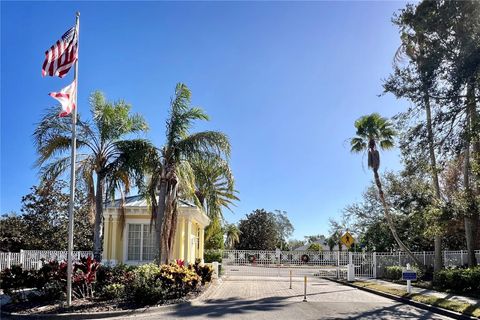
{"points": [[297, 263]]}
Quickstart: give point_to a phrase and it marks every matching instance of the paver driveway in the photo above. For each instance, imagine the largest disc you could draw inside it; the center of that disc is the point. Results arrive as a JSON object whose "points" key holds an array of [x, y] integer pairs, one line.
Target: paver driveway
{"points": [[270, 298]]}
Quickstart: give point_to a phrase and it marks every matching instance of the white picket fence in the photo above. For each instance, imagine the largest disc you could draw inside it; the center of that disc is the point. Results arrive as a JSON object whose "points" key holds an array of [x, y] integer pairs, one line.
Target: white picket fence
{"points": [[34, 259]]}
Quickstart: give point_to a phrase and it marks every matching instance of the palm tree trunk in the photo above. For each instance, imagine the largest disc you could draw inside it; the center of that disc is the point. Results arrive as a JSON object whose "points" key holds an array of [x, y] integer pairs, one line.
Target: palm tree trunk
{"points": [[389, 219], [173, 229], [469, 218], [438, 263], [159, 218], [169, 224], [97, 230]]}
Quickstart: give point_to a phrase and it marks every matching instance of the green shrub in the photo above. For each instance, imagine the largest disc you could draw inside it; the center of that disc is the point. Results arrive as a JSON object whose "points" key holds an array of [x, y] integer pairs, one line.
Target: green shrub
{"points": [[212, 256], [152, 284], [107, 275], [50, 281], [13, 279], [393, 273], [458, 280], [113, 291]]}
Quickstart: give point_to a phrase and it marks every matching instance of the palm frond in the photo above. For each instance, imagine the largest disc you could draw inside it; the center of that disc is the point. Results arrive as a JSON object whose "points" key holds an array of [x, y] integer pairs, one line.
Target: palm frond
{"points": [[207, 141]]}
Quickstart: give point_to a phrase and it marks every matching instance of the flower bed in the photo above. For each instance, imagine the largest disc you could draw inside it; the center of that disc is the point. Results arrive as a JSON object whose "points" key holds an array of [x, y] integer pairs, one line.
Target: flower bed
{"points": [[101, 288]]}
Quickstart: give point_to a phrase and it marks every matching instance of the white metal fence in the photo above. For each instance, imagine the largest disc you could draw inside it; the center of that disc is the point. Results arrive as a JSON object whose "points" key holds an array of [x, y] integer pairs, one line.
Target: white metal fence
{"points": [[34, 259], [297, 263], [328, 263], [262, 263], [449, 258]]}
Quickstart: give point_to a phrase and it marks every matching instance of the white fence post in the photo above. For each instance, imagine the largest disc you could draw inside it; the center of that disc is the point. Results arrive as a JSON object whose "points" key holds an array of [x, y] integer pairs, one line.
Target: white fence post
{"points": [[445, 258], [21, 258], [338, 264], [9, 260], [399, 258], [461, 257], [424, 259], [374, 265]]}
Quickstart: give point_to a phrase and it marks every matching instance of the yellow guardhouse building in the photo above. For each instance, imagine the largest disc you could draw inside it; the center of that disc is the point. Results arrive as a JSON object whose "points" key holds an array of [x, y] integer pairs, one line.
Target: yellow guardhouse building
{"points": [[135, 244]]}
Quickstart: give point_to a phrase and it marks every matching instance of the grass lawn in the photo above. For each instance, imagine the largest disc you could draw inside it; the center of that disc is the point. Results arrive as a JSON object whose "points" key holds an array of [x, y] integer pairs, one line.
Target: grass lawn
{"points": [[454, 305]]}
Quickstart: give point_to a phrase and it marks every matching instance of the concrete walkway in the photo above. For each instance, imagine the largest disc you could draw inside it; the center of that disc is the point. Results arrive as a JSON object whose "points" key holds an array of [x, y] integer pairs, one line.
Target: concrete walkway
{"points": [[438, 294], [270, 298]]}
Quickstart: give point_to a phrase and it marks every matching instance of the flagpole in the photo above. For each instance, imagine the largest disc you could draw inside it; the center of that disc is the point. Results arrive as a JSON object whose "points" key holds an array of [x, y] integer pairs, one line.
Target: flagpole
{"points": [[72, 173]]}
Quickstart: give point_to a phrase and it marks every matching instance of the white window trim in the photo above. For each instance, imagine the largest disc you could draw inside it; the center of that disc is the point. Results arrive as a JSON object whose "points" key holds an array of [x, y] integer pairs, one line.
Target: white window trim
{"points": [[125, 242]]}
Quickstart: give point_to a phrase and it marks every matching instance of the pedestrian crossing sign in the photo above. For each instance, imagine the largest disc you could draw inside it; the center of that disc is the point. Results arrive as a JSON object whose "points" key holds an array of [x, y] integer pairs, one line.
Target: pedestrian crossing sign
{"points": [[347, 239]]}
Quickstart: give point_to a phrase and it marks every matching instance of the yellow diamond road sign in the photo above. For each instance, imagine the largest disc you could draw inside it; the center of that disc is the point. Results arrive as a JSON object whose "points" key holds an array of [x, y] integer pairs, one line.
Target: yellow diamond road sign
{"points": [[347, 239]]}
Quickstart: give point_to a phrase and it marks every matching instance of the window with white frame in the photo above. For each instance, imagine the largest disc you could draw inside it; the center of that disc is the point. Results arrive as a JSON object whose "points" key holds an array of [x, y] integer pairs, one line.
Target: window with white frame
{"points": [[140, 243]]}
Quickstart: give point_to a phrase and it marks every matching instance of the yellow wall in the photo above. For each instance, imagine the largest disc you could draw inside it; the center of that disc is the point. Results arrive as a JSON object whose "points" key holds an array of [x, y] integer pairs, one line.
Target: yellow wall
{"points": [[114, 241]]}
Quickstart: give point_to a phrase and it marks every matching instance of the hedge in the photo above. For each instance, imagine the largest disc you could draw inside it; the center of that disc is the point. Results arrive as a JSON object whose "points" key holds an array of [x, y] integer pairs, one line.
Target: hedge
{"points": [[458, 280]]}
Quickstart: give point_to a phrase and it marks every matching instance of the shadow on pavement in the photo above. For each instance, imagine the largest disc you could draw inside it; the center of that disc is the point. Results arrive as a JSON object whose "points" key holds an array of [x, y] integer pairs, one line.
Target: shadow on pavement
{"points": [[229, 306], [282, 309]]}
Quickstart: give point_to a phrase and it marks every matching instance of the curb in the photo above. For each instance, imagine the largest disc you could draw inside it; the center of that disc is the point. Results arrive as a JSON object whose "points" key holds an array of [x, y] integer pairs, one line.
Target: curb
{"points": [[108, 314], [94, 315], [434, 309]]}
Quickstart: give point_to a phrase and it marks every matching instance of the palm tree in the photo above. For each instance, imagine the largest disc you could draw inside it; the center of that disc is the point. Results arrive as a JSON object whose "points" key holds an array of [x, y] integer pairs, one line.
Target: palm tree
{"points": [[214, 185], [105, 159], [214, 190], [172, 174], [372, 131], [232, 234]]}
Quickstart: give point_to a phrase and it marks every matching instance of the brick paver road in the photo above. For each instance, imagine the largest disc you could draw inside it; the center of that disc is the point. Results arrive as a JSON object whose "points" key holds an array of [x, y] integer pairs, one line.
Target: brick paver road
{"points": [[255, 298]]}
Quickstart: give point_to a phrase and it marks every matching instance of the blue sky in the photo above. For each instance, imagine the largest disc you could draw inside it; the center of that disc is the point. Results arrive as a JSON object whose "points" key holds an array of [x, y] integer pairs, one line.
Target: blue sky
{"points": [[284, 80]]}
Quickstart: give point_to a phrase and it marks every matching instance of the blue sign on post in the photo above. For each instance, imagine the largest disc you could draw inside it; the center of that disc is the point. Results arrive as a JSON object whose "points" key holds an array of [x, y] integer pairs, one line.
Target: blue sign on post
{"points": [[409, 275]]}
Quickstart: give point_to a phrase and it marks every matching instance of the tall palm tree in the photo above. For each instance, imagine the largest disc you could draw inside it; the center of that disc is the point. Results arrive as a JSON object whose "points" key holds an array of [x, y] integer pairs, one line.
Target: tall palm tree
{"points": [[214, 185], [232, 234], [172, 173], [214, 190], [104, 156], [374, 131]]}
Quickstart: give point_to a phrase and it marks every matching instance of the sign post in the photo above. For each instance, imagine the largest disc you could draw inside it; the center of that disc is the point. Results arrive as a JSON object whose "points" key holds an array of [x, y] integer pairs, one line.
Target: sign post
{"points": [[348, 240], [408, 274]]}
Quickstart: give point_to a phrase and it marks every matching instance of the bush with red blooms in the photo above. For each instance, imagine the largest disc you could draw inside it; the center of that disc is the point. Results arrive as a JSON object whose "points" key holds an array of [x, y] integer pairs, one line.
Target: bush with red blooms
{"points": [[51, 280]]}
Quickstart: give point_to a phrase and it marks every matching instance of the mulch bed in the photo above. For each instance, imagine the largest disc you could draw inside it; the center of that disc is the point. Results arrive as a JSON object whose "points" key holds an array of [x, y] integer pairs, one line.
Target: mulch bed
{"points": [[86, 305]]}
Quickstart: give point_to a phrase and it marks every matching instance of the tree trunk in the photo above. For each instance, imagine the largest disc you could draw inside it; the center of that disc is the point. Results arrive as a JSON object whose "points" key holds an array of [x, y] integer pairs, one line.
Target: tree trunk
{"points": [[159, 218], [390, 221], [438, 264], [169, 221], [97, 230], [469, 218]]}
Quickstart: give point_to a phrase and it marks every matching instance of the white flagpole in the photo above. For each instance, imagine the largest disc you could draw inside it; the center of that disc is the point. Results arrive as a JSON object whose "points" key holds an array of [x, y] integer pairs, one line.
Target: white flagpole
{"points": [[72, 173]]}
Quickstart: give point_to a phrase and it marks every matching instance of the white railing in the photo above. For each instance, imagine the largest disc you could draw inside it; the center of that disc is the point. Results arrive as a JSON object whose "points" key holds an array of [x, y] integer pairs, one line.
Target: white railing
{"points": [[298, 263], [34, 259], [329, 263], [450, 259]]}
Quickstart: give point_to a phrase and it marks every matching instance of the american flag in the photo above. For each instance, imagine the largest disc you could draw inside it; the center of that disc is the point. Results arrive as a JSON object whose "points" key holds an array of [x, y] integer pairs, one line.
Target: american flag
{"points": [[62, 55]]}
